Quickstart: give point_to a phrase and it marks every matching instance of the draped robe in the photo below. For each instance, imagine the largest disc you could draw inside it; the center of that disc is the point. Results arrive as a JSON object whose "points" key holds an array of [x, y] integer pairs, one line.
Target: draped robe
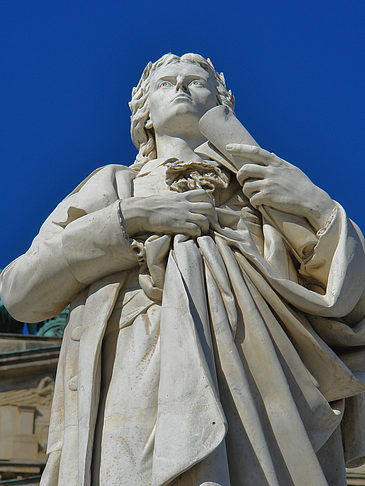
{"points": [[235, 358]]}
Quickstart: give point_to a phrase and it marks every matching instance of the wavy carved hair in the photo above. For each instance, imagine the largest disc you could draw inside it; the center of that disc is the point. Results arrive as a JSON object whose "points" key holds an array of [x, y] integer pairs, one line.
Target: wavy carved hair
{"points": [[142, 132]]}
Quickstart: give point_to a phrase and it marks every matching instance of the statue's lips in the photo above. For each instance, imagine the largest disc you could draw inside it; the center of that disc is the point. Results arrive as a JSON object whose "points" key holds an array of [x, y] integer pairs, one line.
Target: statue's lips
{"points": [[181, 98]]}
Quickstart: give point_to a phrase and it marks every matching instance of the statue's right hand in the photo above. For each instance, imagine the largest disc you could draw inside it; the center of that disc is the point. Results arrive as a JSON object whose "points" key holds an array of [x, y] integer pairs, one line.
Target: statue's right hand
{"points": [[169, 213]]}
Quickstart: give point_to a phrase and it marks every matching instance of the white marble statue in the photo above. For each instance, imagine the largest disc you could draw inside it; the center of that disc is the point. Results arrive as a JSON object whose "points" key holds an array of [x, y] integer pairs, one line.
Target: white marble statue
{"points": [[208, 342]]}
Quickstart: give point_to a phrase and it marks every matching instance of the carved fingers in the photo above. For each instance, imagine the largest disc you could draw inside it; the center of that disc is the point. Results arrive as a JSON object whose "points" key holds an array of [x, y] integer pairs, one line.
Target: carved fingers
{"points": [[197, 195], [201, 209], [266, 179], [201, 222], [188, 213], [253, 154], [252, 171]]}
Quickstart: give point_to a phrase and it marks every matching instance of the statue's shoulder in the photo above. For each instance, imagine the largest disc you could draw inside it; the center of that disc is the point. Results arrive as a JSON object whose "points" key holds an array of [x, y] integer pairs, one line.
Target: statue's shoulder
{"points": [[100, 189], [115, 174]]}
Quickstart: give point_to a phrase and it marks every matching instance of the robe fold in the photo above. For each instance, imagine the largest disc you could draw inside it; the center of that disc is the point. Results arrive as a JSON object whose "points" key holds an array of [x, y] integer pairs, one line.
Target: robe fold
{"points": [[236, 358]]}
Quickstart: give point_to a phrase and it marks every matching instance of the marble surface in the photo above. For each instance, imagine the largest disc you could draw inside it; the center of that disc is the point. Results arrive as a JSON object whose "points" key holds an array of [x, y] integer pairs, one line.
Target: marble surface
{"points": [[217, 303]]}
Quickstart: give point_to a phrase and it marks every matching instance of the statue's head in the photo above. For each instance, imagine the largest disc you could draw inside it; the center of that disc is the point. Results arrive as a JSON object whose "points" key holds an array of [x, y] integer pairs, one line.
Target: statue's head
{"points": [[142, 123]]}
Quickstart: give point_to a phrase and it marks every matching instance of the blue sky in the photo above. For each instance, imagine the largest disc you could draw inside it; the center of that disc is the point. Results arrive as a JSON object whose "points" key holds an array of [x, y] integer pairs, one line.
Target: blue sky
{"points": [[296, 69]]}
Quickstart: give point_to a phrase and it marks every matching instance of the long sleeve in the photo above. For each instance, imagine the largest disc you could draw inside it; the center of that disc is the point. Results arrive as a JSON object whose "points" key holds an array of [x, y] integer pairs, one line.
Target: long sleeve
{"points": [[318, 264], [81, 242], [330, 278]]}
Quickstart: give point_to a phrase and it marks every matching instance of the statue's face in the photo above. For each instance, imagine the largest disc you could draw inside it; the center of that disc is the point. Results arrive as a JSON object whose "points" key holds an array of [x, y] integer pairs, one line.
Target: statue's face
{"points": [[180, 94]]}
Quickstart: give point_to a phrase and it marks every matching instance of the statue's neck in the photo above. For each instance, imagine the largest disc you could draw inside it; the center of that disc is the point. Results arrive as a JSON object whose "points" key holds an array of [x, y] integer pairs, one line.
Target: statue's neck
{"points": [[182, 148]]}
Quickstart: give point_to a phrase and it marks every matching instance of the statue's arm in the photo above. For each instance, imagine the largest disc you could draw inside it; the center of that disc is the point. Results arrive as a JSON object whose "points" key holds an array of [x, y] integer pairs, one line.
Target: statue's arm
{"points": [[87, 237], [82, 241], [269, 181], [316, 265], [316, 229]]}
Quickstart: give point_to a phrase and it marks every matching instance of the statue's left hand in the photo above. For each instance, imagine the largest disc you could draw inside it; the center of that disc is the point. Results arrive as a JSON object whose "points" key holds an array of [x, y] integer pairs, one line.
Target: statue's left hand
{"points": [[268, 180]]}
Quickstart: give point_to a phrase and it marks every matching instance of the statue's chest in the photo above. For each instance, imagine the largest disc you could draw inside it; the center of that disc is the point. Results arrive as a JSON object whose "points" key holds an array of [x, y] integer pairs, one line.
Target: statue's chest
{"points": [[181, 177], [150, 182]]}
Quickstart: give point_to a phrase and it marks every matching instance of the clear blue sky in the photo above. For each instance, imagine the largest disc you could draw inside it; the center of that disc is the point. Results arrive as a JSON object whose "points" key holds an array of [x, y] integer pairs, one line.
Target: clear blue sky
{"points": [[68, 68]]}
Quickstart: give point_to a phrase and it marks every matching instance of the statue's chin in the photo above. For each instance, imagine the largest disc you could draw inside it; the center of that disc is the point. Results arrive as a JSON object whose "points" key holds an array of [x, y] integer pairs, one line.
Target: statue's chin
{"points": [[184, 109]]}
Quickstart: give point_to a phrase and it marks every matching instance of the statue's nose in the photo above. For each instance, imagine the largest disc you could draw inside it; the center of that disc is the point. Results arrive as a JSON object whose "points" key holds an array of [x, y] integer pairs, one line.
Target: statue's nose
{"points": [[182, 85]]}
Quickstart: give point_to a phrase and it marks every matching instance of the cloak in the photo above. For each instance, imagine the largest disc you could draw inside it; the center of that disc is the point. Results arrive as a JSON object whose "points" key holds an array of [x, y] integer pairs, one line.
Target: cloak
{"points": [[239, 354]]}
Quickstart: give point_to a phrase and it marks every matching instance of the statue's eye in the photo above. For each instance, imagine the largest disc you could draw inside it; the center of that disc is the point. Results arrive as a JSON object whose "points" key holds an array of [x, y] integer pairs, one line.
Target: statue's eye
{"points": [[196, 82], [165, 84]]}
